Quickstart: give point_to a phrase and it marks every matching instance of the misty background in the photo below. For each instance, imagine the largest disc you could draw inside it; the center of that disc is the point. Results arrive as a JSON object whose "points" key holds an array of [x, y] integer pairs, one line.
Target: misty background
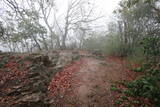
{"points": [[117, 27], [100, 9]]}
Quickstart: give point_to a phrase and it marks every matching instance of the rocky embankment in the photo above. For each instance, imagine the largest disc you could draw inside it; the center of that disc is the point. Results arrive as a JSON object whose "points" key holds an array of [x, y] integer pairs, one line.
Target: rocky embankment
{"points": [[25, 77]]}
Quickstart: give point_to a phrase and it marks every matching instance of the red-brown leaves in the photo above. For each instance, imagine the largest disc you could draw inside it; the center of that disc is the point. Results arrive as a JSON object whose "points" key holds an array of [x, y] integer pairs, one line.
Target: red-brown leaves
{"points": [[62, 80]]}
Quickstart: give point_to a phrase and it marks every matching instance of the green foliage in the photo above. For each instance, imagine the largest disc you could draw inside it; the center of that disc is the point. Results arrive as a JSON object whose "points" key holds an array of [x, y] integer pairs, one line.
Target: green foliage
{"points": [[114, 46], [131, 3], [136, 102], [143, 67], [123, 97], [117, 102], [114, 88], [151, 45], [146, 86], [139, 36], [135, 16], [154, 72], [139, 69], [137, 57], [95, 42]]}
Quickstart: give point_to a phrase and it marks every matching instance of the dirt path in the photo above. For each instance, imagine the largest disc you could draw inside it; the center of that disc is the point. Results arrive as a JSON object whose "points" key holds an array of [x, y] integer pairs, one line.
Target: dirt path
{"points": [[90, 84], [94, 88]]}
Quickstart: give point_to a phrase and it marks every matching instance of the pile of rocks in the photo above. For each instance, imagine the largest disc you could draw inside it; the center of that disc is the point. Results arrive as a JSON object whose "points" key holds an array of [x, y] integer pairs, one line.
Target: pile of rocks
{"points": [[25, 83], [25, 78]]}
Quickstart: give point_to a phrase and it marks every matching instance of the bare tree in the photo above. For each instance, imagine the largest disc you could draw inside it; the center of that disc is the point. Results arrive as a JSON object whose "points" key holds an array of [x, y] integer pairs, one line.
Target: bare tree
{"points": [[78, 14], [1, 29], [47, 7], [42, 15]]}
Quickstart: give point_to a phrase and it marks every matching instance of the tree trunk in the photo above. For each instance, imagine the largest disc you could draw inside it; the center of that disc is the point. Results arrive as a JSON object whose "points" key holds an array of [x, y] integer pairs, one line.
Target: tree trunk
{"points": [[37, 44], [64, 42], [65, 35]]}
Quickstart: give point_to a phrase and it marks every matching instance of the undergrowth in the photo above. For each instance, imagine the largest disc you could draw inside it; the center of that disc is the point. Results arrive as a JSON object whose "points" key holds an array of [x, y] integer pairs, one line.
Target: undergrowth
{"points": [[144, 87]]}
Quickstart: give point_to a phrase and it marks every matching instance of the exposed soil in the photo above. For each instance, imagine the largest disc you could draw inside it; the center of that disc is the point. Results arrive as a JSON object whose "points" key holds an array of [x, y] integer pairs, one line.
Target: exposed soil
{"points": [[90, 83]]}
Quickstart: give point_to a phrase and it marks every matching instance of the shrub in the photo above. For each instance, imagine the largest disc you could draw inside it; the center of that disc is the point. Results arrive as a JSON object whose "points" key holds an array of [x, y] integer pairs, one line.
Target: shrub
{"points": [[146, 86]]}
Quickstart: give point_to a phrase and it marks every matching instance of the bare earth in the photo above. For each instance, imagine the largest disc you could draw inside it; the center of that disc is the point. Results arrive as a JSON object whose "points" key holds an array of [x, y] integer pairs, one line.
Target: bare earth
{"points": [[90, 86]]}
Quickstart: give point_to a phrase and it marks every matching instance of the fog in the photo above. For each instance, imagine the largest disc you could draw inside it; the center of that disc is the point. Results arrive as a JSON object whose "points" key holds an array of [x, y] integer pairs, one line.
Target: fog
{"points": [[91, 15]]}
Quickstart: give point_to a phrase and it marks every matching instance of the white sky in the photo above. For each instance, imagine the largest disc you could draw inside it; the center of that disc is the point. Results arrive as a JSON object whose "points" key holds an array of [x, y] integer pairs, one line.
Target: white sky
{"points": [[106, 6], [103, 7]]}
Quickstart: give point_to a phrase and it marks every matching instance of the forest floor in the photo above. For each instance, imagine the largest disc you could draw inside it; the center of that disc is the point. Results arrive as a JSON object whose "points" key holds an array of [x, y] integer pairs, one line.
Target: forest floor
{"points": [[89, 82], [28, 81]]}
